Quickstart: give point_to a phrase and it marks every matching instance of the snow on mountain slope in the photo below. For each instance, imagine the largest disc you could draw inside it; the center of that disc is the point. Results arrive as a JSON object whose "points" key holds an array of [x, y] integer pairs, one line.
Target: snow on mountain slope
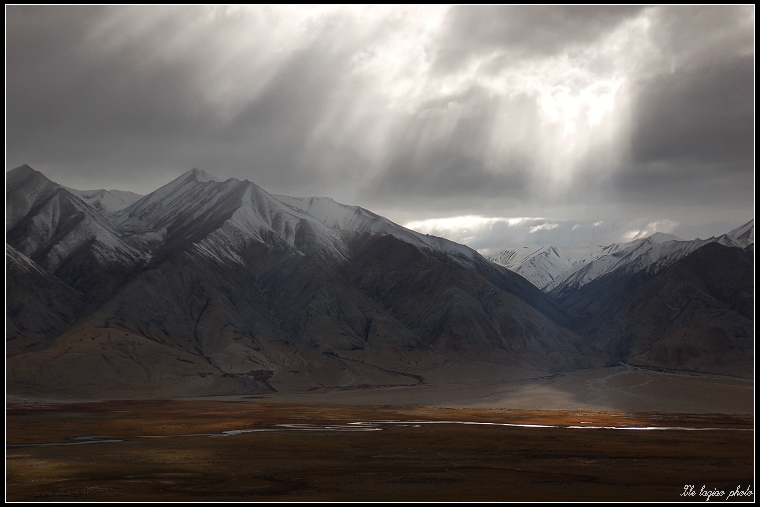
{"points": [[359, 220], [338, 216], [542, 265], [160, 207], [196, 210], [50, 225], [258, 214], [19, 261], [660, 237], [550, 268], [744, 234], [24, 188], [106, 201], [647, 255], [220, 218]]}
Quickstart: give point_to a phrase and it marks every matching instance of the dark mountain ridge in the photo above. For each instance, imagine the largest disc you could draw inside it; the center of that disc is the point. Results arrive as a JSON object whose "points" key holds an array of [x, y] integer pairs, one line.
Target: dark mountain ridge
{"points": [[211, 287], [696, 314]]}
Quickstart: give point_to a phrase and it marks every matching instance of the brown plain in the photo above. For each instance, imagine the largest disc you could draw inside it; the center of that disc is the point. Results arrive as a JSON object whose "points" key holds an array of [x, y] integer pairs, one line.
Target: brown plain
{"points": [[430, 462]]}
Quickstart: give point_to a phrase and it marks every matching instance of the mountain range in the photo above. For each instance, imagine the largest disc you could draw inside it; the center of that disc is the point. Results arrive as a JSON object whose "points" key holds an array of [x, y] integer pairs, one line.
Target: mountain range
{"points": [[559, 270], [207, 287]]}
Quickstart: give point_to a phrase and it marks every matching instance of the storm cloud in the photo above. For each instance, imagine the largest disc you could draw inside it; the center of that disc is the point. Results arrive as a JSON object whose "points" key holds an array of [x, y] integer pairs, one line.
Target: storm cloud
{"points": [[629, 116]]}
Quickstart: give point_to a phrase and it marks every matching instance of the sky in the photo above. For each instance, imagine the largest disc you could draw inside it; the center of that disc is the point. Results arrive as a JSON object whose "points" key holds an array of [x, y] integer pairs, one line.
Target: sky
{"points": [[494, 126]]}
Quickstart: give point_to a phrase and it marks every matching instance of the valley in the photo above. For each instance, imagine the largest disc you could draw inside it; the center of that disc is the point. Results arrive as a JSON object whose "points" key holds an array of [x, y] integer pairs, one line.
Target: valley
{"points": [[207, 287], [380, 253], [212, 341]]}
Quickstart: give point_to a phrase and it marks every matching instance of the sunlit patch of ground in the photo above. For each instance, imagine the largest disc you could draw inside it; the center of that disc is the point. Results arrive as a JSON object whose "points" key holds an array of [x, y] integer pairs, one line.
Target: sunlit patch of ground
{"points": [[621, 388]]}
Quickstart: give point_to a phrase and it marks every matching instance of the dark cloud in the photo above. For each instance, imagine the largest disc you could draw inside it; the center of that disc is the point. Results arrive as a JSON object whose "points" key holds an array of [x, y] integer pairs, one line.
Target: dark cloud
{"points": [[139, 105], [524, 30], [697, 186], [685, 33], [382, 109], [71, 105], [700, 115], [692, 123]]}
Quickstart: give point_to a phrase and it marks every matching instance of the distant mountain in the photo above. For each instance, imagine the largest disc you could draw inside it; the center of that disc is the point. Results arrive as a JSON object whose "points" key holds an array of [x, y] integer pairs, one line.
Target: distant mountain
{"points": [[744, 235], [694, 314], [648, 255], [559, 270], [545, 264], [218, 287], [106, 201], [657, 301]]}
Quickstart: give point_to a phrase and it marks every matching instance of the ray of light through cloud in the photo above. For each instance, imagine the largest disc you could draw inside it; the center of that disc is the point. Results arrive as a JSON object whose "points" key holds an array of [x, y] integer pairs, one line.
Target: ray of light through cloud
{"points": [[607, 122]]}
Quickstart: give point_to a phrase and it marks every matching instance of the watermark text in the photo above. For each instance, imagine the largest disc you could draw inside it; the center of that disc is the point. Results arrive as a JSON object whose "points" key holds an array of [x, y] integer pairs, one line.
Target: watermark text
{"points": [[705, 493]]}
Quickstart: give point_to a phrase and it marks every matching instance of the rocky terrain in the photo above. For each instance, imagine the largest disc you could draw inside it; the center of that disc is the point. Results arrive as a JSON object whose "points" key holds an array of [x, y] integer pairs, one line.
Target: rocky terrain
{"points": [[696, 314], [209, 287]]}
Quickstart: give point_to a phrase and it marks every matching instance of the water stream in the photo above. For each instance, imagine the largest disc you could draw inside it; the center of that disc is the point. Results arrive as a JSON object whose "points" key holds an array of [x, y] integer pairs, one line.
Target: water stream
{"points": [[362, 426]]}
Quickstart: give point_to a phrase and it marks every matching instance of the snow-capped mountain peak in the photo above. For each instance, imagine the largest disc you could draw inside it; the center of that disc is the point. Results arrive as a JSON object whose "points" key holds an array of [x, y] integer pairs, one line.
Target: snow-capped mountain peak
{"points": [[541, 265], [552, 268], [106, 201], [200, 175], [648, 255], [161, 204], [662, 237], [355, 219], [744, 234], [59, 230]]}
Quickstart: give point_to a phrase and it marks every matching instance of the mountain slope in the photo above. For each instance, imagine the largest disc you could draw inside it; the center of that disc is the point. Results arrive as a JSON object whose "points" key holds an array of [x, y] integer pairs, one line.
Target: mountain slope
{"points": [[65, 236], [454, 309], [106, 201], [197, 209], [647, 255], [744, 235], [557, 270], [207, 287], [353, 219], [228, 289], [39, 306], [543, 265], [695, 314]]}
